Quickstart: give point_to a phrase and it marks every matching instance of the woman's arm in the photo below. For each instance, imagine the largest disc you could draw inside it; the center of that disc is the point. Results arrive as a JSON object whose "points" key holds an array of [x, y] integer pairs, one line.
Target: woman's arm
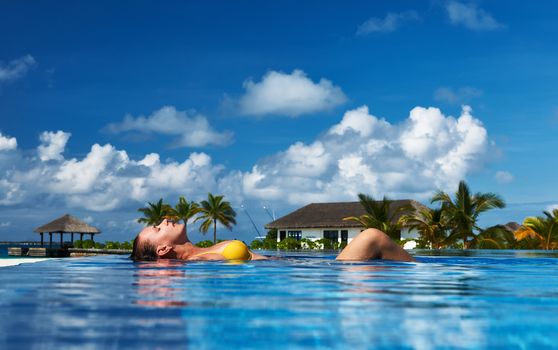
{"points": [[257, 256]]}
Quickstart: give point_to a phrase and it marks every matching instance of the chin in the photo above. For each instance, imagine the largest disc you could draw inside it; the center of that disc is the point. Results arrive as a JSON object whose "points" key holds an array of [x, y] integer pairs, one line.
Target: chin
{"points": [[182, 233]]}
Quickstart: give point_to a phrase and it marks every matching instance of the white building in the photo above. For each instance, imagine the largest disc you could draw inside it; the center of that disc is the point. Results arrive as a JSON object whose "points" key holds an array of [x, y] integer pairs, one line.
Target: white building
{"points": [[325, 220]]}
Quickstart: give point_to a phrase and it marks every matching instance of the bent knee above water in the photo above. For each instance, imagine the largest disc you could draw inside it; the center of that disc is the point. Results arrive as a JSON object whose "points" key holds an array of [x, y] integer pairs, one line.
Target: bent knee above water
{"points": [[373, 234]]}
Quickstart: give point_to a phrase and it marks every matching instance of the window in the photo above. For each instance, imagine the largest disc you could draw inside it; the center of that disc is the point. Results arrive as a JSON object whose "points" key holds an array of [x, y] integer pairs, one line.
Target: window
{"points": [[332, 235], [282, 235], [295, 234], [344, 236]]}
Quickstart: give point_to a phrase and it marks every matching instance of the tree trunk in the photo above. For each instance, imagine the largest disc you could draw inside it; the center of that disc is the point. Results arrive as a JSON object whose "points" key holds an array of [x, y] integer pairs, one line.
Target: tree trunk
{"points": [[214, 231]]}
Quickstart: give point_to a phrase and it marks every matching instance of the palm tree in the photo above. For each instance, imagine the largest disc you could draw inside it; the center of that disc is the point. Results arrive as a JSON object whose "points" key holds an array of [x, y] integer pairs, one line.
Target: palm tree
{"points": [[378, 215], [215, 209], [430, 224], [184, 210], [154, 213], [543, 230], [463, 211], [494, 237]]}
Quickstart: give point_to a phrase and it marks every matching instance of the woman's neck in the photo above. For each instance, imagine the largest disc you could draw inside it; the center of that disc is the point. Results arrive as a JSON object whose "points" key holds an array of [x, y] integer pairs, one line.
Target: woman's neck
{"points": [[184, 251]]}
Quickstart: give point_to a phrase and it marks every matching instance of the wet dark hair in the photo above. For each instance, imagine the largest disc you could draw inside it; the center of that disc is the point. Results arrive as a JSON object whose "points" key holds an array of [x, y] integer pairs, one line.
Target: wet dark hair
{"points": [[145, 252]]}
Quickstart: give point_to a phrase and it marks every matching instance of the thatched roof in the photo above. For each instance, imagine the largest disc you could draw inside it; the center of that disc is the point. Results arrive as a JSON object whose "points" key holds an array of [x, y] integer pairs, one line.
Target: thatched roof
{"points": [[511, 226], [322, 215], [67, 224]]}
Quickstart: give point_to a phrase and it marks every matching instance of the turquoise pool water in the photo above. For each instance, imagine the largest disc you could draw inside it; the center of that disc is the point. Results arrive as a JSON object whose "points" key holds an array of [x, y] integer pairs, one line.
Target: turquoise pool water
{"points": [[506, 300]]}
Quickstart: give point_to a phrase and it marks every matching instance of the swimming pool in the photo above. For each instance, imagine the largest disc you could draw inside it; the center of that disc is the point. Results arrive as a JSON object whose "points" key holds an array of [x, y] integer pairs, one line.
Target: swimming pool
{"points": [[505, 300]]}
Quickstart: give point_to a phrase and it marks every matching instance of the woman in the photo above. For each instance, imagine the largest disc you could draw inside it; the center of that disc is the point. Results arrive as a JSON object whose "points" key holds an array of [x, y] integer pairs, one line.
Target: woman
{"points": [[168, 240]]}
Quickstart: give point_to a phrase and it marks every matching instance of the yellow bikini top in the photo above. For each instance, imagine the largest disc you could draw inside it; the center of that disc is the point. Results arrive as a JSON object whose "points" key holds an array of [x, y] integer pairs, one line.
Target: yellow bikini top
{"points": [[234, 250]]}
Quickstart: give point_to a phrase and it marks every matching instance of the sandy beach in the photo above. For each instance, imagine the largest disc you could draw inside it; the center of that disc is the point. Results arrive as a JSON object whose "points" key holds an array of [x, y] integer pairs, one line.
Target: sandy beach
{"points": [[13, 262]]}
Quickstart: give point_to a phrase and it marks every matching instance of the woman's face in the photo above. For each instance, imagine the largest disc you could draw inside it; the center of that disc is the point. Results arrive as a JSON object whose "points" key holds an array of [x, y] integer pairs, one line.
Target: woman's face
{"points": [[166, 233]]}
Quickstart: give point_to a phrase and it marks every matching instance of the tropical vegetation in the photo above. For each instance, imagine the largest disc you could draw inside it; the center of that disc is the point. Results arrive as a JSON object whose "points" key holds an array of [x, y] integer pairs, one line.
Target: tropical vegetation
{"points": [[429, 223], [291, 243], [184, 211], [378, 215], [154, 213], [87, 244], [214, 210], [463, 210], [206, 243], [269, 242], [453, 224], [495, 237], [540, 231]]}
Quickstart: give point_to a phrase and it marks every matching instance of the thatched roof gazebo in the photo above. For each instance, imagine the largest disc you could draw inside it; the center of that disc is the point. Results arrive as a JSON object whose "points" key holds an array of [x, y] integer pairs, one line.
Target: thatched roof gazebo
{"points": [[66, 224]]}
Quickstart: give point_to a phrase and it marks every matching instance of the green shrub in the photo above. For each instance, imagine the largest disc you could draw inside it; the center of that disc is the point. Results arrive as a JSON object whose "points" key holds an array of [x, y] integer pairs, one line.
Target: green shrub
{"points": [[306, 243], [423, 244], [272, 234], [289, 243], [256, 244], [270, 244], [456, 245], [87, 244], [204, 244], [326, 244], [112, 245]]}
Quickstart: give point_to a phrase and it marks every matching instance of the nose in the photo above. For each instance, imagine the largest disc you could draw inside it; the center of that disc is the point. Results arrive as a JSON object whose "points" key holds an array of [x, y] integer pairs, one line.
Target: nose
{"points": [[167, 221]]}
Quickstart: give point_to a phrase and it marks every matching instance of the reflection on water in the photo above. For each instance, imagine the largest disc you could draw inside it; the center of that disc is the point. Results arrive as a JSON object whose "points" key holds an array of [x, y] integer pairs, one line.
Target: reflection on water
{"points": [[158, 283], [486, 301]]}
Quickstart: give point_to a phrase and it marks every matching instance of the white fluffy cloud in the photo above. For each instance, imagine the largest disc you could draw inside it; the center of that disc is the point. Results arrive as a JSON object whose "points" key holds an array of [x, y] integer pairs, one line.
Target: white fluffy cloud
{"points": [[187, 130], [105, 179], [366, 154], [7, 143], [503, 177], [52, 145], [456, 96], [471, 17], [10, 192], [361, 153], [292, 95], [390, 23], [16, 69]]}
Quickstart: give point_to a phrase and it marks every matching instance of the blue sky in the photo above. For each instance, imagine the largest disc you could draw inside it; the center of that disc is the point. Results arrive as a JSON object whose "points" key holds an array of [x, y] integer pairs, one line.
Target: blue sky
{"points": [[105, 106]]}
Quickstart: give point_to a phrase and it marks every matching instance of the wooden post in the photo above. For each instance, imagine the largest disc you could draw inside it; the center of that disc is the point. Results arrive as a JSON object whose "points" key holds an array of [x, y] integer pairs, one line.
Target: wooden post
{"points": [[92, 238], [42, 241], [81, 237], [50, 239], [61, 239], [72, 238]]}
